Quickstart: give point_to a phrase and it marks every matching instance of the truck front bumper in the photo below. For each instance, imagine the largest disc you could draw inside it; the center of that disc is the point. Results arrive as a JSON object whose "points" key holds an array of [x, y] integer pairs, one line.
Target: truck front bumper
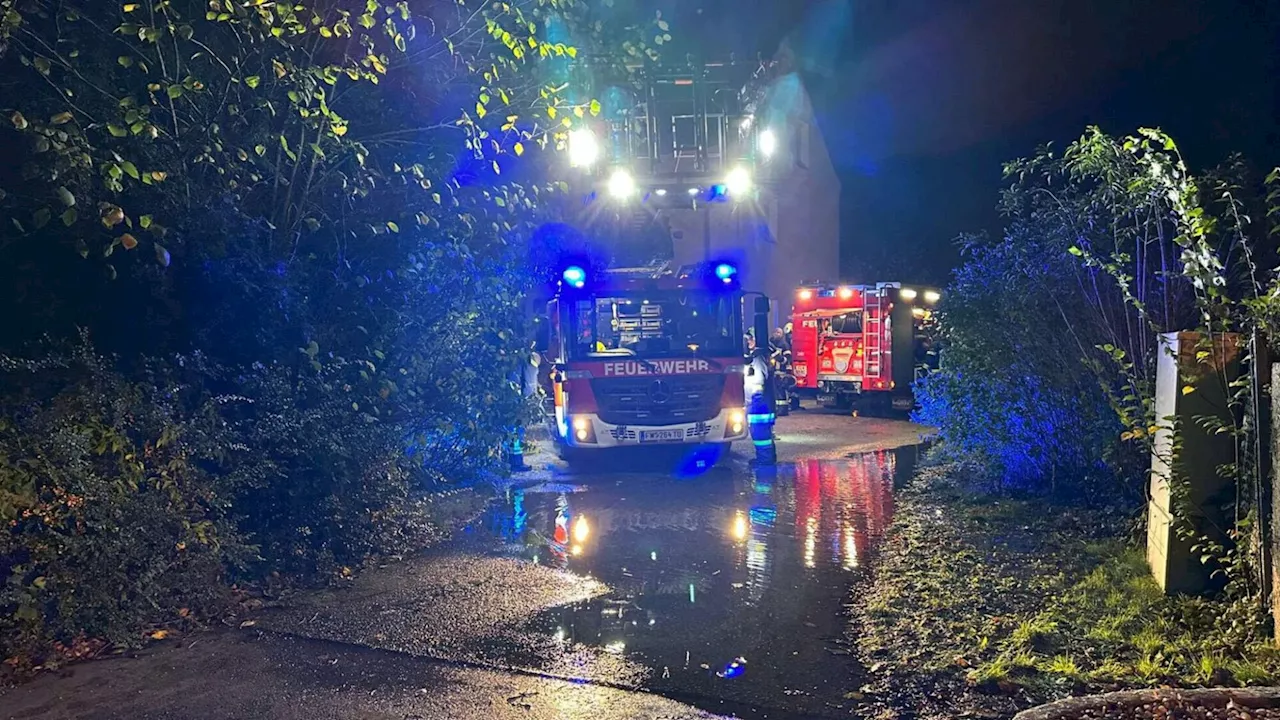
{"points": [[587, 430]]}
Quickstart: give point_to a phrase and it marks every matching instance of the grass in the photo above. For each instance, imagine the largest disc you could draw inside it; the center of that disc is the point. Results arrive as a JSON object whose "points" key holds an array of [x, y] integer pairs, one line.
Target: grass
{"points": [[1007, 603]]}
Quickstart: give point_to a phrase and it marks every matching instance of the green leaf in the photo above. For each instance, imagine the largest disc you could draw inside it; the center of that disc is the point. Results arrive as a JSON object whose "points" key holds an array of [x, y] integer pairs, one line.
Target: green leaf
{"points": [[400, 43], [145, 221], [117, 131], [65, 196], [480, 111], [125, 61], [61, 118], [519, 149], [69, 217], [41, 217], [129, 169], [252, 81], [260, 150], [436, 197], [595, 107], [393, 227], [174, 92]]}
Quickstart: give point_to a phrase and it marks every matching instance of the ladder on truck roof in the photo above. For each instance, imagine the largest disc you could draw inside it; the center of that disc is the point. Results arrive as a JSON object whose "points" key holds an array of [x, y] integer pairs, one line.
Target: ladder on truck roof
{"points": [[653, 270], [873, 333]]}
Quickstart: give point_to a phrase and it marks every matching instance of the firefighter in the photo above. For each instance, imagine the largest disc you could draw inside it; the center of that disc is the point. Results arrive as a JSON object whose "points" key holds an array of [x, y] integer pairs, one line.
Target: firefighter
{"points": [[761, 412], [779, 340], [528, 379]]}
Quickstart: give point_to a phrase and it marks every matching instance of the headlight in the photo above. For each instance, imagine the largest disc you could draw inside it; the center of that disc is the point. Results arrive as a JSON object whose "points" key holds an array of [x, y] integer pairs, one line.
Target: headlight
{"points": [[768, 142], [738, 182], [584, 150], [583, 430], [621, 184], [737, 422]]}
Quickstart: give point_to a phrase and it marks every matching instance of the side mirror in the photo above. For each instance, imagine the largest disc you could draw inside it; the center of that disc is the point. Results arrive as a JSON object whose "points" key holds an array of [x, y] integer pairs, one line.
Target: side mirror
{"points": [[760, 322], [541, 334]]}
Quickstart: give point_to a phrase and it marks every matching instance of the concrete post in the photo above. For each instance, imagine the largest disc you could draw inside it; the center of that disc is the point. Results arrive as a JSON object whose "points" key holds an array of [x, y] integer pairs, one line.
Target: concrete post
{"points": [[1190, 384], [1273, 542]]}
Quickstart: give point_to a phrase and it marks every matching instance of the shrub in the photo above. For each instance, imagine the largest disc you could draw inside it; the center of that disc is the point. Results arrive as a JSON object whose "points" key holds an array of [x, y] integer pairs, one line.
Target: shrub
{"points": [[116, 511], [1013, 396]]}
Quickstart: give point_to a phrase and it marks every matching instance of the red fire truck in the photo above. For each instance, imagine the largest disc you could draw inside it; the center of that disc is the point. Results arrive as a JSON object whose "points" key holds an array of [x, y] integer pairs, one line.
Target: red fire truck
{"points": [[647, 357], [860, 342]]}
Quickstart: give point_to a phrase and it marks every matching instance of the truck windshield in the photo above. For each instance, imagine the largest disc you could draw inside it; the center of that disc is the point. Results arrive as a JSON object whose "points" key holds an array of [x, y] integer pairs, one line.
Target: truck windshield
{"points": [[658, 324]]}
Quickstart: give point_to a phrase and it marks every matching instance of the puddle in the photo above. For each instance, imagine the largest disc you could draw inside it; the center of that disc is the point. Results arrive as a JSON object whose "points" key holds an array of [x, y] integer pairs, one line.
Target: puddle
{"points": [[727, 589]]}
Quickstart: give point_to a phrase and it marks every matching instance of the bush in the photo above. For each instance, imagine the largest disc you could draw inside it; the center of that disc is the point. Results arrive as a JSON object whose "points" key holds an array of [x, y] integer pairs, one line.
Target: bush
{"points": [[1013, 397], [117, 511]]}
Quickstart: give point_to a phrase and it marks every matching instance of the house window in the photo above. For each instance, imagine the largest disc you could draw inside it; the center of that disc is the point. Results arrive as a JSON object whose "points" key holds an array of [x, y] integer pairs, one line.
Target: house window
{"points": [[801, 148]]}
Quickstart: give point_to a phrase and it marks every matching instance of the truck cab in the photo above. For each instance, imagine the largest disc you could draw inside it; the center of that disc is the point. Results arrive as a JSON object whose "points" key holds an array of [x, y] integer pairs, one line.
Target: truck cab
{"points": [[646, 356]]}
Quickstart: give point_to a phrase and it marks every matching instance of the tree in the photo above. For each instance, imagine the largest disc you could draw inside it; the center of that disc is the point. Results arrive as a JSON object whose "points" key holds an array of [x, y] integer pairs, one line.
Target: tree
{"points": [[317, 214]]}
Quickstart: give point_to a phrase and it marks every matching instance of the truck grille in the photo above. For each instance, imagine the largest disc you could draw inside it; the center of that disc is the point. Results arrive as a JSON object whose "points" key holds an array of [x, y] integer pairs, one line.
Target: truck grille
{"points": [[658, 400]]}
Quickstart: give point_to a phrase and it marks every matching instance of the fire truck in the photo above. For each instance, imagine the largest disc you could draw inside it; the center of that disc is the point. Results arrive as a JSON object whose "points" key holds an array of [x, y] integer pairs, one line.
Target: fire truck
{"points": [[647, 356], [866, 343]]}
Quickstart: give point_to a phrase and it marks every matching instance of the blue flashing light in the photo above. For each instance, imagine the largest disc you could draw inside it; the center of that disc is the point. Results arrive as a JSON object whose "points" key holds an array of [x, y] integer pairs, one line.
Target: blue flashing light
{"points": [[575, 276], [725, 271]]}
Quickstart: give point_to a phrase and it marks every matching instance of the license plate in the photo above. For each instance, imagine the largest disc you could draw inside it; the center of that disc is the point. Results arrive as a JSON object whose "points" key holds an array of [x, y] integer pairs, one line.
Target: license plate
{"points": [[661, 435]]}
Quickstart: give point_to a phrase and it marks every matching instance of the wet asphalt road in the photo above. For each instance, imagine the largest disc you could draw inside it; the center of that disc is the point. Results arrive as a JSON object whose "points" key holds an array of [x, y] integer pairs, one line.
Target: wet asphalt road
{"points": [[721, 590]]}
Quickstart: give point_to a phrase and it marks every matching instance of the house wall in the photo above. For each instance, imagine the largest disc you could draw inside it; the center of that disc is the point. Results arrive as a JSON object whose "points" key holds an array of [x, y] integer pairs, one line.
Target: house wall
{"points": [[790, 234]]}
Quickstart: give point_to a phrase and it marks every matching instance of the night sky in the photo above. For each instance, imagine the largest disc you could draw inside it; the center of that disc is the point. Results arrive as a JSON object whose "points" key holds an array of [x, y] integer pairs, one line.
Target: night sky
{"points": [[921, 101]]}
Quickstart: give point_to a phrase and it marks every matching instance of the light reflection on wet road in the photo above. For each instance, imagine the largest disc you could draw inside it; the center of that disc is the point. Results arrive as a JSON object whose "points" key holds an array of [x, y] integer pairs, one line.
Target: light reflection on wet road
{"points": [[726, 589]]}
